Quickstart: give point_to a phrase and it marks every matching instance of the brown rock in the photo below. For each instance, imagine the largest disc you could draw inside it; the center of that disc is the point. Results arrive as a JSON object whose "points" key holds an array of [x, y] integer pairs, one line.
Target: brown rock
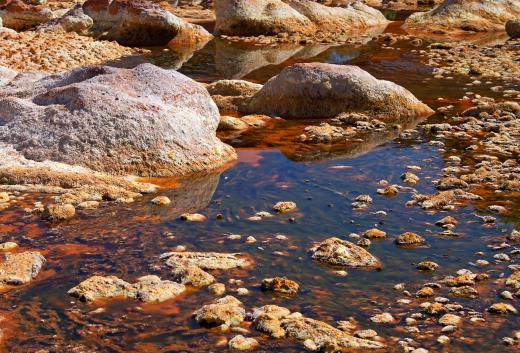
{"points": [[280, 285], [20, 268]]}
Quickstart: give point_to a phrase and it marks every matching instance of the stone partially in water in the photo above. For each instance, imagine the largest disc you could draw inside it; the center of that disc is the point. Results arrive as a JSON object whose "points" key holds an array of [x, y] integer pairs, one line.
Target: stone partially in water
{"points": [[224, 311], [152, 289], [260, 17], [20, 268], [410, 239], [303, 17], [230, 123], [59, 212], [8, 246], [322, 335], [502, 308], [161, 200], [206, 260], [318, 90], [465, 15], [337, 252], [284, 206], [242, 343], [374, 233], [145, 121], [280, 285], [147, 289], [191, 275], [444, 198], [384, 318]]}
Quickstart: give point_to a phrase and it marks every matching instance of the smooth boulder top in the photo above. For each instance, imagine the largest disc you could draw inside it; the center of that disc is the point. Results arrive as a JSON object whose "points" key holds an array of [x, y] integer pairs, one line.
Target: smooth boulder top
{"points": [[259, 17], [339, 18], [142, 121], [141, 23], [271, 17], [465, 15], [317, 90]]}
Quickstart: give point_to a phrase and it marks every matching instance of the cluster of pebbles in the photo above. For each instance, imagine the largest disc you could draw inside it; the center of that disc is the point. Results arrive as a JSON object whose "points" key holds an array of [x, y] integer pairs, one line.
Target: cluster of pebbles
{"points": [[498, 61]]}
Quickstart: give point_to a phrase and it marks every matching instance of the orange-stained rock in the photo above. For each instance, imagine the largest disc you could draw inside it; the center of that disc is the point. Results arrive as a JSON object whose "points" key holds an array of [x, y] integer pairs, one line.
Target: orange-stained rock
{"points": [[19, 15]]}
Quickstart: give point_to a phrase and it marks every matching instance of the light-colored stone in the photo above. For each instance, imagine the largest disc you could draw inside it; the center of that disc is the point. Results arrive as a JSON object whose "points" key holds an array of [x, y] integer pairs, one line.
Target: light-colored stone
{"points": [[317, 90]]}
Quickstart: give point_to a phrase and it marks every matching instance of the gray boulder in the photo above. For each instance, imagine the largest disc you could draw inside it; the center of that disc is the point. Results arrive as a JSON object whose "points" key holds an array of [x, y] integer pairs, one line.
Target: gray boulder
{"points": [[142, 121], [317, 90]]}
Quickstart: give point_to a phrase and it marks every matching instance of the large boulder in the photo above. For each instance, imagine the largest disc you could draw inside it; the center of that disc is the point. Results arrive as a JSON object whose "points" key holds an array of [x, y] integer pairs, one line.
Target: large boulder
{"points": [[316, 90], [356, 16], [20, 15], [259, 17], [141, 23], [513, 28], [141, 121], [271, 17], [466, 15]]}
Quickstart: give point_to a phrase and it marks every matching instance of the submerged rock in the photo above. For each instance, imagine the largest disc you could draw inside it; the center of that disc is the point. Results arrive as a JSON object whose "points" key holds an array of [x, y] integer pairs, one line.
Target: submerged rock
{"points": [[206, 260], [317, 90], [20, 268], [337, 252], [141, 23], [146, 121], [465, 15], [147, 289], [224, 311]]}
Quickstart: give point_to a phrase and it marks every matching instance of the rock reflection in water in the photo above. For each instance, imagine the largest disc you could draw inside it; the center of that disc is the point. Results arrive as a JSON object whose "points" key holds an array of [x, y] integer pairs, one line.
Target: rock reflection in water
{"points": [[283, 136], [189, 195]]}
